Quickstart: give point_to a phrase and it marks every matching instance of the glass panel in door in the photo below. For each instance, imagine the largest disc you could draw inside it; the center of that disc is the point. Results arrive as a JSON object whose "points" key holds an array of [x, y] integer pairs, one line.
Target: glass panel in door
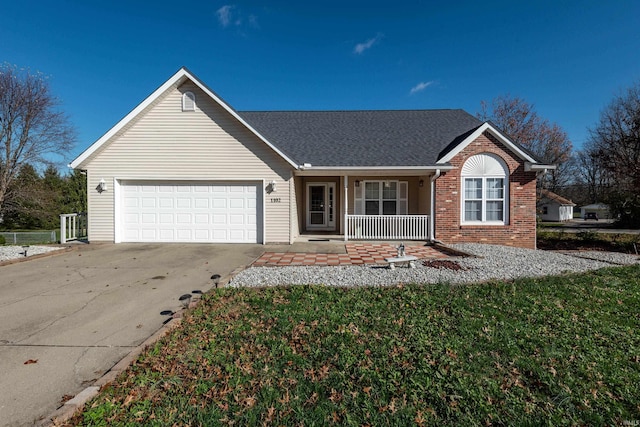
{"points": [[317, 205]]}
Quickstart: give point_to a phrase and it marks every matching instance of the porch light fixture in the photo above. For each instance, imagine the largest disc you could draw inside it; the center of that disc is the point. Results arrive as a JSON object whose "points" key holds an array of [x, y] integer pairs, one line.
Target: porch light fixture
{"points": [[272, 184], [421, 183], [357, 183], [102, 186]]}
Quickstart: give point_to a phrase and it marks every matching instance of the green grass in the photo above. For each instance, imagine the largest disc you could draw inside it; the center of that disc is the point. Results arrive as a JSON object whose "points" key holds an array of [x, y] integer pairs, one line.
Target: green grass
{"points": [[553, 351]]}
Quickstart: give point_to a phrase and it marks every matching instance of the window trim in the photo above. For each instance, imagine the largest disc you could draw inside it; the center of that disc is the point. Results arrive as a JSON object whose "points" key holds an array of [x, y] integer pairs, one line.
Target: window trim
{"points": [[485, 168], [402, 203]]}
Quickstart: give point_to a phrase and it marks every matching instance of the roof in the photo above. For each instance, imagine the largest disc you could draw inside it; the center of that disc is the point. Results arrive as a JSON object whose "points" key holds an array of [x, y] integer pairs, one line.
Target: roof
{"points": [[343, 139], [362, 138], [558, 199]]}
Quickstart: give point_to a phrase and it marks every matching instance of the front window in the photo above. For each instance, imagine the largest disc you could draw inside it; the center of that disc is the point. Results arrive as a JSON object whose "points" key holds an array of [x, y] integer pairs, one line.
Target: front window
{"points": [[484, 199], [380, 198], [484, 192]]}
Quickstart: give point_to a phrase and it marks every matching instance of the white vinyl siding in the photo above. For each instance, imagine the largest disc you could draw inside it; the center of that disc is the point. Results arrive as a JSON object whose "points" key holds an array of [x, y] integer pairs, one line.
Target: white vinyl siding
{"points": [[208, 144]]}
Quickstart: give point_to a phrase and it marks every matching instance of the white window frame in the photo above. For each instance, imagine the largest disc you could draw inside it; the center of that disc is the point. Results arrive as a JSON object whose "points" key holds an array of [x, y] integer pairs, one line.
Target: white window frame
{"points": [[484, 167], [401, 202], [188, 101]]}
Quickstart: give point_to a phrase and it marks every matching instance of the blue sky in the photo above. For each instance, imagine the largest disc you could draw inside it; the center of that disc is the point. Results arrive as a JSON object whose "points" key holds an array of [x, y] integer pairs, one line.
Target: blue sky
{"points": [[568, 58]]}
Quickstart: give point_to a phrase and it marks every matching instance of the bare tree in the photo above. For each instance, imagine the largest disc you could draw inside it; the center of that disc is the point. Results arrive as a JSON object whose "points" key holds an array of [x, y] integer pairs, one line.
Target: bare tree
{"points": [[589, 175], [31, 126], [548, 141], [616, 139], [615, 143]]}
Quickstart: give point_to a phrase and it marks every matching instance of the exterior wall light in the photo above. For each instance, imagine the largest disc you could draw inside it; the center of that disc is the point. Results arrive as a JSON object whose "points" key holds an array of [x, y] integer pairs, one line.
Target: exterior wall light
{"points": [[357, 183], [102, 186], [272, 184], [421, 183]]}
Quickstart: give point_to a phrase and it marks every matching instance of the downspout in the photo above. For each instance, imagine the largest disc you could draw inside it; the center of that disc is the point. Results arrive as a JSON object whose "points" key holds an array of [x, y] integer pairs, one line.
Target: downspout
{"points": [[432, 215]]}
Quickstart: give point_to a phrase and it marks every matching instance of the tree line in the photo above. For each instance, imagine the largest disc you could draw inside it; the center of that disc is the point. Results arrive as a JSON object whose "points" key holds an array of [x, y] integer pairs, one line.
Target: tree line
{"points": [[33, 129], [606, 169], [34, 201]]}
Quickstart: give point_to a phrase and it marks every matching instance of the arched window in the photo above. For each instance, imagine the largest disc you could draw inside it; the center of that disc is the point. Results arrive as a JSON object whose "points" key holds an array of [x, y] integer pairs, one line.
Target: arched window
{"points": [[188, 101], [485, 191]]}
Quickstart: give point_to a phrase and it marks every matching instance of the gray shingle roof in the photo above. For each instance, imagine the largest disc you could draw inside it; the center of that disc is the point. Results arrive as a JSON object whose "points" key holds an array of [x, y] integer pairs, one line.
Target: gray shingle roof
{"points": [[363, 138]]}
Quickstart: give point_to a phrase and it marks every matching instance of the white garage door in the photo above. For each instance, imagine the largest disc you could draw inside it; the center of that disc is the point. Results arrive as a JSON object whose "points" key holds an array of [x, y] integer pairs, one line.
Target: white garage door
{"points": [[190, 212]]}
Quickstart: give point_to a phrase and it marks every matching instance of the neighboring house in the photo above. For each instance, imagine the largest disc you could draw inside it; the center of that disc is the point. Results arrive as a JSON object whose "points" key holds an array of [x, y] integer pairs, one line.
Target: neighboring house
{"points": [[600, 209], [184, 166], [552, 207]]}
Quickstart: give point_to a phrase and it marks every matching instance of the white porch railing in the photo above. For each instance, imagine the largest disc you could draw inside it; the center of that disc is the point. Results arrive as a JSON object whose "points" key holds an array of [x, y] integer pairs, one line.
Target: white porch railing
{"points": [[387, 227], [73, 227]]}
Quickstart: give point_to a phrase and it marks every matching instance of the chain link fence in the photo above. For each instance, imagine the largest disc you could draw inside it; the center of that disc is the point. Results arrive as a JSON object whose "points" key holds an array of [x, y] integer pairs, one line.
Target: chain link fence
{"points": [[29, 237]]}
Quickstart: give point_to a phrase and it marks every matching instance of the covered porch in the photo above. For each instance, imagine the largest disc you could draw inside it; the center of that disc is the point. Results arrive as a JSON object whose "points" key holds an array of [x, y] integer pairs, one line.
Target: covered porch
{"points": [[366, 204]]}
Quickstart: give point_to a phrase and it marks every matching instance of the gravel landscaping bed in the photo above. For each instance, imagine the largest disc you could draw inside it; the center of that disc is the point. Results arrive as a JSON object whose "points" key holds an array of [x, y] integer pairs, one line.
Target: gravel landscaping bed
{"points": [[12, 252], [487, 262]]}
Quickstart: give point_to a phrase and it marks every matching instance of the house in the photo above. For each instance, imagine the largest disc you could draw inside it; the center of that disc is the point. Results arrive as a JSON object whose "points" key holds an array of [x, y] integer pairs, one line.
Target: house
{"points": [[553, 207], [600, 209], [184, 166]]}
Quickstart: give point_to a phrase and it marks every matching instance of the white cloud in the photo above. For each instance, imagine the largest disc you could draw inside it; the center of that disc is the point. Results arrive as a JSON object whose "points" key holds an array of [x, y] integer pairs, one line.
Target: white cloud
{"points": [[420, 87], [224, 15], [361, 47], [230, 16]]}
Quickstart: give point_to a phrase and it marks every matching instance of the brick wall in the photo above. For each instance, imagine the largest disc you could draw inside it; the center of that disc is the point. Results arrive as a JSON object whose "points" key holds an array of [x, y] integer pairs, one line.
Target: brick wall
{"points": [[521, 228]]}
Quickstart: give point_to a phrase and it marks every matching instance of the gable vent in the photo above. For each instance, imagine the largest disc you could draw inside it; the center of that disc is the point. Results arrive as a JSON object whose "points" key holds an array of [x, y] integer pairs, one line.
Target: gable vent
{"points": [[188, 101]]}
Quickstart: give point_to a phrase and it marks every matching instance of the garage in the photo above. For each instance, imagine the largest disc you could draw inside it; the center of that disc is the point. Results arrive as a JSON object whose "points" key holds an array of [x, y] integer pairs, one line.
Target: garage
{"points": [[213, 212]]}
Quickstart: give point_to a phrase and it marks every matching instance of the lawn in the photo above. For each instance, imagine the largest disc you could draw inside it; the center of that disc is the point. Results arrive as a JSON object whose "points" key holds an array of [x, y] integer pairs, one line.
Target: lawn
{"points": [[553, 351]]}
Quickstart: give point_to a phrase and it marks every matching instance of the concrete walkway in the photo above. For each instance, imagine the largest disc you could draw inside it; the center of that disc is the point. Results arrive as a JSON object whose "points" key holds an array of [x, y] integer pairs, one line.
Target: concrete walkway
{"points": [[66, 319]]}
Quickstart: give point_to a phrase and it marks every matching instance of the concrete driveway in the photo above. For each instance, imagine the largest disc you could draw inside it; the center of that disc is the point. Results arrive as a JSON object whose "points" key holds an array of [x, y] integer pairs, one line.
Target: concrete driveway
{"points": [[66, 319]]}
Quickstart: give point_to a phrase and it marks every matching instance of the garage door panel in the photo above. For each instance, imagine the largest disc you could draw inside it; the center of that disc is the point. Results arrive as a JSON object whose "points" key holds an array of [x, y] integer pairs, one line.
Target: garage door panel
{"points": [[183, 203], [148, 218], [201, 203], [236, 219], [149, 202], [179, 212], [236, 203], [149, 234], [165, 202], [200, 219]]}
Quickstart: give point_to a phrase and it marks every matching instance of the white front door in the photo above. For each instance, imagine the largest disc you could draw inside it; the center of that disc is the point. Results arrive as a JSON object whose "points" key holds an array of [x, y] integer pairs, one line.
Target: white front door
{"points": [[321, 201]]}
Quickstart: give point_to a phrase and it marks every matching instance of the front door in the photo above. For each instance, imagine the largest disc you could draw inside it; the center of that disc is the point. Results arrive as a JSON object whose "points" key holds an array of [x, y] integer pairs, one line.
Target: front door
{"points": [[321, 198]]}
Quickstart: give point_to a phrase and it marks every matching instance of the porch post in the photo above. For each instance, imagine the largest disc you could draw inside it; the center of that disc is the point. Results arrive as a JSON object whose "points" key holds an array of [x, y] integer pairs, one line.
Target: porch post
{"points": [[345, 226]]}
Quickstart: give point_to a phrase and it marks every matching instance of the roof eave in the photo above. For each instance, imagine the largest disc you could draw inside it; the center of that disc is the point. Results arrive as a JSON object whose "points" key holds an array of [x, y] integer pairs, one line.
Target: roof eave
{"points": [[486, 126], [307, 170]]}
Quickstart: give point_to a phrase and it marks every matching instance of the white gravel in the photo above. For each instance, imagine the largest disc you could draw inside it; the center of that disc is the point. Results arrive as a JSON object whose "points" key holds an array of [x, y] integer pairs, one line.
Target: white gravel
{"points": [[13, 252], [488, 262]]}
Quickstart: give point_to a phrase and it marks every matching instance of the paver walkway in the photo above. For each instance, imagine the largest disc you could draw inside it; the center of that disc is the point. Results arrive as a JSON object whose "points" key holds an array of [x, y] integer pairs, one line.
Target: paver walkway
{"points": [[357, 253]]}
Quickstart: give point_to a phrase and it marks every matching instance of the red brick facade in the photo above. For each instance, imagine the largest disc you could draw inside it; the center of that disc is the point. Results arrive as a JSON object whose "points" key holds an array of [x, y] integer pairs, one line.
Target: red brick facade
{"points": [[521, 227]]}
